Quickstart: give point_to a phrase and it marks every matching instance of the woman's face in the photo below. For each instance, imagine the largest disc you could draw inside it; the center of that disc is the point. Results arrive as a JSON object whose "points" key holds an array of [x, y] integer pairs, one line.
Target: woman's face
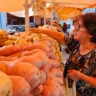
{"points": [[80, 33]]}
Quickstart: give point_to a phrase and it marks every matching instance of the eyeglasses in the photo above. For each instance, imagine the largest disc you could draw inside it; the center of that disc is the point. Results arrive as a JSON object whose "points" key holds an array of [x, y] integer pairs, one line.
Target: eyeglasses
{"points": [[77, 26]]}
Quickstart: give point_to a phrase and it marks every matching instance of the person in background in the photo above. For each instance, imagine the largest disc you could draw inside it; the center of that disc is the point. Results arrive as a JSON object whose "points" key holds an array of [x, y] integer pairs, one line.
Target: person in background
{"points": [[65, 28], [71, 36], [81, 64]]}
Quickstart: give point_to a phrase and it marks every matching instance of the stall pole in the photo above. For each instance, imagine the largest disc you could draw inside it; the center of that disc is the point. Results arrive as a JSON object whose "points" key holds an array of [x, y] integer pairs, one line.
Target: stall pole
{"points": [[27, 6], [45, 14], [26, 16], [52, 13]]}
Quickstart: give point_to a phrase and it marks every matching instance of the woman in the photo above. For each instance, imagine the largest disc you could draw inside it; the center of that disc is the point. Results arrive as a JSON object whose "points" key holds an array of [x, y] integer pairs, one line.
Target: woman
{"points": [[81, 64]]}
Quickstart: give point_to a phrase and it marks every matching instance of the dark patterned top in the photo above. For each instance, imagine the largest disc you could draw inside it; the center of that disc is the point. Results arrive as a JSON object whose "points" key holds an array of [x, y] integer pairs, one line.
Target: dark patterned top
{"points": [[84, 63]]}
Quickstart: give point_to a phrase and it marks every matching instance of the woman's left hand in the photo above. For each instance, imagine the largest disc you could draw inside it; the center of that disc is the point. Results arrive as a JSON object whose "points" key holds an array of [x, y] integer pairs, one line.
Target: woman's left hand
{"points": [[74, 75]]}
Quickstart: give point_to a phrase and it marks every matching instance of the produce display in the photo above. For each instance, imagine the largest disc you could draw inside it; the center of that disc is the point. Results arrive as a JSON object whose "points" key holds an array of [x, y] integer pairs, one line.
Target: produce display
{"points": [[33, 65]]}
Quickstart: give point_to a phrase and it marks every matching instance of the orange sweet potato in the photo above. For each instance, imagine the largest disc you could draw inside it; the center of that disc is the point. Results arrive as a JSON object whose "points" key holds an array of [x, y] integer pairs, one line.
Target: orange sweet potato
{"points": [[57, 72], [51, 55], [37, 46], [26, 53], [10, 49], [54, 63], [3, 66], [45, 69], [38, 90], [43, 77], [52, 88], [18, 54], [28, 71], [30, 95], [58, 80], [46, 42], [20, 86], [3, 58], [38, 59], [47, 38]]}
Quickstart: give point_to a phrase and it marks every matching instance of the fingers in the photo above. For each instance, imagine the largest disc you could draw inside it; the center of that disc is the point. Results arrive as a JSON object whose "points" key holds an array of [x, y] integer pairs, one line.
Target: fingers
{"points": [[70, 71], [68, 75]]}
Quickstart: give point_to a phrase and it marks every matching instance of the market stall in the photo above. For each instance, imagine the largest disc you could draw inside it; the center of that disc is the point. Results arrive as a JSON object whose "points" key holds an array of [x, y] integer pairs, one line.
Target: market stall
{"points": [[36, 66], [33, 62]]}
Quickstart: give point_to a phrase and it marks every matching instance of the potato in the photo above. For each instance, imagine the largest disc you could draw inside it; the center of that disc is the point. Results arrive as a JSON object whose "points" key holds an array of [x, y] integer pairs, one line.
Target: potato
{"points": [[5, 85]]}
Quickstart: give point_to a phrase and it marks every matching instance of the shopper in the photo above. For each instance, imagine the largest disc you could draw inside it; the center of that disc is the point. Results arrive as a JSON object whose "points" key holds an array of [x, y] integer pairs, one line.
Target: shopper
{"points": [[81, 64], [64, 27]]}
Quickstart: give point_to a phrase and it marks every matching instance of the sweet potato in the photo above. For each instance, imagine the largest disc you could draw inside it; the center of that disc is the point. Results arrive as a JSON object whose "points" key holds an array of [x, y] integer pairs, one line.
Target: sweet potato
{"points": [[44, 72], [45, 69], [46, 42], [37, 46], [51, 55], [26, 53], [47, 38], [57, 72], [51, 89], [43, 77], [38, 59], [29, 95], [54, 63], [18, 54], [10, 49], [58, 80], [20, 86], [3, 66], [28, 71], [38, 90], [3, 58]]}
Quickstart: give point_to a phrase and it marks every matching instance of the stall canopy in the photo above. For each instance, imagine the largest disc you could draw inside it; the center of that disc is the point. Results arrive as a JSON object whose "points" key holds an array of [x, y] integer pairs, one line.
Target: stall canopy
{"points": [[17, 5], [12, 5], [74, 3], [64, 12], [69, 8], [21, 13]]}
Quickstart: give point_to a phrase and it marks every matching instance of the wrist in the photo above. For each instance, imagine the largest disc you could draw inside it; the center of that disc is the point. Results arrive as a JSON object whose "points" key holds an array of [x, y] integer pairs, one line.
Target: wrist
{"points": [[82, 76]]}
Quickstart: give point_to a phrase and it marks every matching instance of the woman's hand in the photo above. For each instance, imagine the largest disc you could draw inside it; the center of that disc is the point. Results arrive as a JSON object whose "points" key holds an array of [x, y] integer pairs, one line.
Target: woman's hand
{"points": [[74, 75]]}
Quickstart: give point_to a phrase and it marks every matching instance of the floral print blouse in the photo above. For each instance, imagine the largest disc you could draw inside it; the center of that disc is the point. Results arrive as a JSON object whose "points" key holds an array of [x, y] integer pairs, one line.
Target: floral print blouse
{"points": [[84, 63]]}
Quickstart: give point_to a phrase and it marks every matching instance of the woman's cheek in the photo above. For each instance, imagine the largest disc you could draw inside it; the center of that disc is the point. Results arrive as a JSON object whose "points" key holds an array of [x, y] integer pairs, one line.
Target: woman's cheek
{"points": [[76, 36]]}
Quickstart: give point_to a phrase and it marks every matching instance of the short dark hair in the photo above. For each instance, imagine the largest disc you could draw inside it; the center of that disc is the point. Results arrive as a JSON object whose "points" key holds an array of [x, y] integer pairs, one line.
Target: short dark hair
{"points": [[89, 22]]}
